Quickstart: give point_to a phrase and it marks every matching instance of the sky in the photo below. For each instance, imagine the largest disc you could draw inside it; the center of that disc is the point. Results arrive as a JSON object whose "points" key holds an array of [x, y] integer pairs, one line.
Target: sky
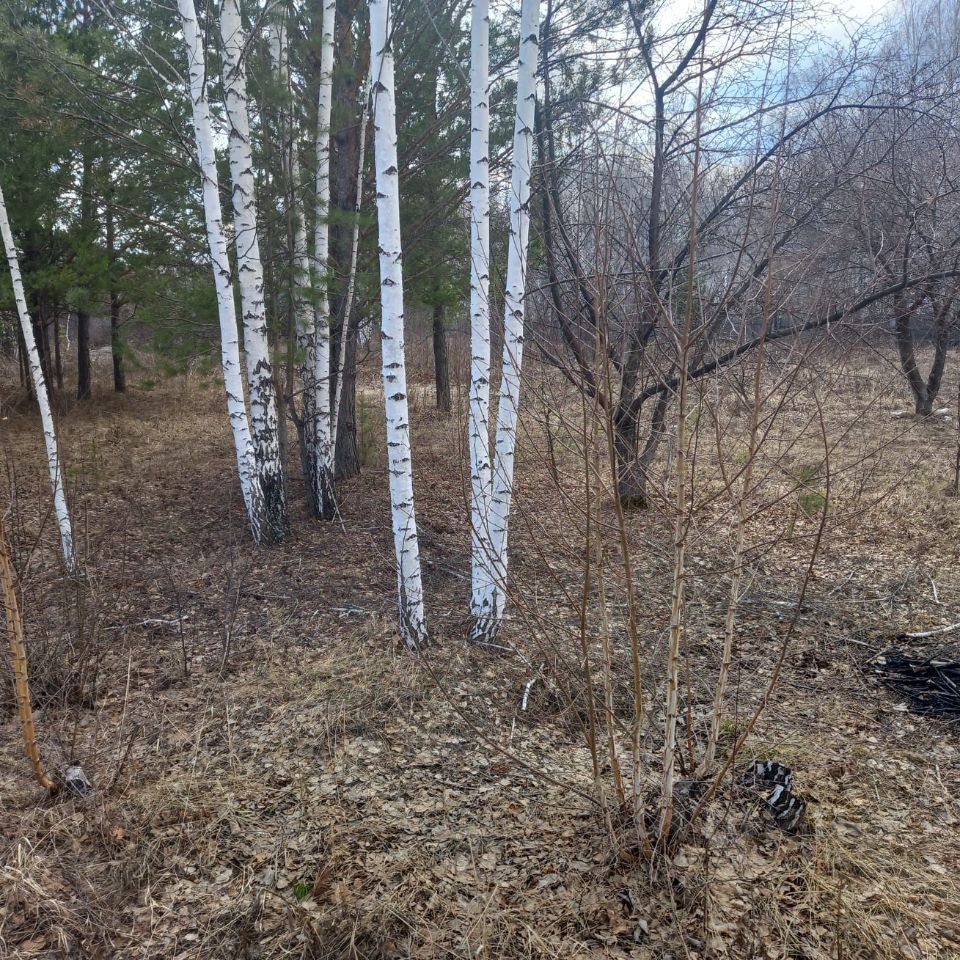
{"points": [[818, 27]]}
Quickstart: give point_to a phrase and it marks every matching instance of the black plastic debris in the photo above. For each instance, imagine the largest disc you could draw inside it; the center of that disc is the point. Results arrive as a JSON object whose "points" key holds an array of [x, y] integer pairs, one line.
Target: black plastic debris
{"points": [[772, 782], [75, 780], [786, 808], [765, 773], [931, 685]]}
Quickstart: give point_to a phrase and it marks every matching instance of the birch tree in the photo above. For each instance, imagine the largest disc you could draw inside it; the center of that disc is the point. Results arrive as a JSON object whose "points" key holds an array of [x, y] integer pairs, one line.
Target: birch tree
{"points": [[489, 615], [323, 480], [479, 414], [304, 314], [400, 465], [40, 389], [216, 239], [263, 400]]}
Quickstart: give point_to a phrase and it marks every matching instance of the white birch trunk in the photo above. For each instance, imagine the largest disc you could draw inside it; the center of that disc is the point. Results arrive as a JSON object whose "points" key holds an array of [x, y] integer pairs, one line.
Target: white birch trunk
{"points": [[40, 388], [216, 239], [324, 440], [409, 581], [352, 277], [488, 623], [479, 416], [304, 316], [263, 398]]}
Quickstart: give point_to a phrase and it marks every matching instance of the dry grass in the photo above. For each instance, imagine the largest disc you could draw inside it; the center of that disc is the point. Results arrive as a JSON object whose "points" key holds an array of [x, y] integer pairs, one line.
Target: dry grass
{"points": [[332, 797]]}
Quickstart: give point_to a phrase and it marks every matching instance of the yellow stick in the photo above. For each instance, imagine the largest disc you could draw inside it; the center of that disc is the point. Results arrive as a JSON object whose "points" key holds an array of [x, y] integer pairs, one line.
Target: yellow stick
{"points": [[18, 652]]}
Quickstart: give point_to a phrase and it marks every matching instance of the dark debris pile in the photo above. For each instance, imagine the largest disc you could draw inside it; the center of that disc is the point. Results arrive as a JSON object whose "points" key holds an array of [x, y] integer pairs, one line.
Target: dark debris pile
{"points": [[772, 781], [930, 684]]}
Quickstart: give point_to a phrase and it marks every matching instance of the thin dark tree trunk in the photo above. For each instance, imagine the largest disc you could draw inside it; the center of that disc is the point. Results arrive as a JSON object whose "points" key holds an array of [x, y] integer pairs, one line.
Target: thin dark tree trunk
{"points": [[633, 464], [347, 456], [441, 364], [83, 355], [903, 331], [116, 345], [924, 391], [57, 355], [351, 66], [42, 335], [26, 381], [83, 315], [631, 480], [287, 389], [942, 334], [33, 260]]}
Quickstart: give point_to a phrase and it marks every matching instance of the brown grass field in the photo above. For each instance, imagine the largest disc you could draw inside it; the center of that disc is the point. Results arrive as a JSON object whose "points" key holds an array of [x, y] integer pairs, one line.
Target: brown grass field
{"points": [[331, 796]]}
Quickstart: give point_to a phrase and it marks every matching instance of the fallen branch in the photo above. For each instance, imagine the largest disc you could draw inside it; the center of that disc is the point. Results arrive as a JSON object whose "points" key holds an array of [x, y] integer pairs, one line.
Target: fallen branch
{"points": [[923, 634], [942, 413], [18, 652]]}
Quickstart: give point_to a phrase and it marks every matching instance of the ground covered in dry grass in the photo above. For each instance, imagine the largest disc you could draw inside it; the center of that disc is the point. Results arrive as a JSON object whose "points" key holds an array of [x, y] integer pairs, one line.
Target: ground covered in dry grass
{"points": [[274, 777]]}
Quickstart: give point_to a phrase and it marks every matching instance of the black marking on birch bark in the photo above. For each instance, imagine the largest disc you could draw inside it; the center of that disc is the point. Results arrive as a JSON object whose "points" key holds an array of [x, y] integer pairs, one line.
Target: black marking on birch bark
{"points": [[274, 507], [487, 627], [326, 494], [413, 633]]}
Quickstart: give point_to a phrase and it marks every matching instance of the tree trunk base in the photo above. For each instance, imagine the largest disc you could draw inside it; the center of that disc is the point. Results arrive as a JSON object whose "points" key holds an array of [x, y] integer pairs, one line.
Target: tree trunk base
{"points": [[326, 501], [441, 364], [413, 631], [276, 525], [632, 488], [487, 628]]}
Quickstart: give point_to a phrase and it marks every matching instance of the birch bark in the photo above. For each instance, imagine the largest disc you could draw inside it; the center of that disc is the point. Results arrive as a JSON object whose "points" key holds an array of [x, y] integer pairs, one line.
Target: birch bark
{"points": [[489, 619], [324, 441], [217, 241], [479, 415], [40, 388], [263, 398], [409, 581]]}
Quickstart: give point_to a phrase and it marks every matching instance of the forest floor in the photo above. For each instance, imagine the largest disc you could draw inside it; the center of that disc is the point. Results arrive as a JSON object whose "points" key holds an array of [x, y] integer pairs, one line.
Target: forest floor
{"points": [[274, 776]]}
